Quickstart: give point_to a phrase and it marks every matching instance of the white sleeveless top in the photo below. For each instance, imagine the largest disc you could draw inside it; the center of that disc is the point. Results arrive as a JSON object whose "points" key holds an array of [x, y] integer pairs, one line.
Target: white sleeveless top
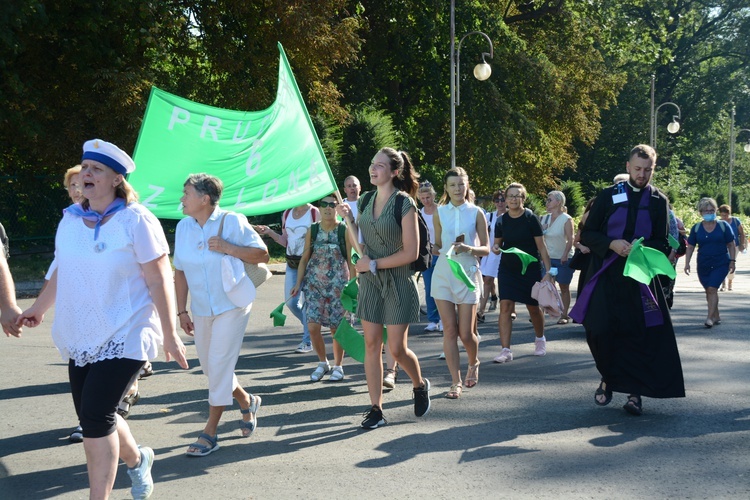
{"points": [[296, 230], [428, 219], [554, 235]]}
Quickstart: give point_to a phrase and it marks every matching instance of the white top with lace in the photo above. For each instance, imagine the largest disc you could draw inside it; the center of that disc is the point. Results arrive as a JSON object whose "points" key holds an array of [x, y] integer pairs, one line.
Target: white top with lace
{"points": [[103, 307]]}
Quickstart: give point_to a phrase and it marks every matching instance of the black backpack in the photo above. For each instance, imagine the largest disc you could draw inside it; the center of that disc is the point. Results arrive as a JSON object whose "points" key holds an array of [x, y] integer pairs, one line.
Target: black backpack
{"points": [[424, 260]]}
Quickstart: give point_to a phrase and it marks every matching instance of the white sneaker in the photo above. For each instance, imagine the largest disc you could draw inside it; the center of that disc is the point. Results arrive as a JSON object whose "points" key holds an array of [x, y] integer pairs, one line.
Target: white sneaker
{"points": [[433, 327], [303, 348], [540, 346], [440, 325], [505, 356], [442, 355], [337, 374], [322, 369], [143, 484]]}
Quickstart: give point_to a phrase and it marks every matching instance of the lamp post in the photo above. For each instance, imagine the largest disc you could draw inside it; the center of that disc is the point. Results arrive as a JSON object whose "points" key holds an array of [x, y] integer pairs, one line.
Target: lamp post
{"points": [[673, 127], [732, 139], [482, 71]]}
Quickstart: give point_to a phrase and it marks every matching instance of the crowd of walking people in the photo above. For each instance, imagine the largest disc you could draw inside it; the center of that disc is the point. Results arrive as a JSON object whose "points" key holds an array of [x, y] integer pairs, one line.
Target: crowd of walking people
{"points": [[113, 250]]}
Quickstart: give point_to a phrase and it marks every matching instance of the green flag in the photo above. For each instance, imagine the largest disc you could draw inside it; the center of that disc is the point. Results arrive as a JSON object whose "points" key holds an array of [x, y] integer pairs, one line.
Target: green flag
{"points": [[673, 242], [352, 341], [458, 270], [644, 263], [526, 259], [279, 318], [268, 160], [349, 295]]}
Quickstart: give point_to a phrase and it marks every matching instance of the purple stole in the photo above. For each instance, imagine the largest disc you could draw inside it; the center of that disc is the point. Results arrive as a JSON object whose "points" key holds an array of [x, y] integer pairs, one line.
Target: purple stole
{"points": [[615, 229]]}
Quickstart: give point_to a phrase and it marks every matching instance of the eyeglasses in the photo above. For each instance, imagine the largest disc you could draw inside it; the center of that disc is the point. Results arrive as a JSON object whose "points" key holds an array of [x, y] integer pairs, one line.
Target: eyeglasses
{"points": [[499, 200], [514, 196], [327, 204], [425, 184]]}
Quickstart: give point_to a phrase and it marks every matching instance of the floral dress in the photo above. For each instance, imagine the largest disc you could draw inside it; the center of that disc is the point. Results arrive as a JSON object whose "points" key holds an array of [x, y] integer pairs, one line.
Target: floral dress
{"points": [[326, 275]]}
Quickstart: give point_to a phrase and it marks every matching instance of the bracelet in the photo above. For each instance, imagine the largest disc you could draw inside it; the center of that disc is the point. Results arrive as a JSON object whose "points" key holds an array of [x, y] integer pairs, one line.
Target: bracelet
{"points": [[181, 313]]}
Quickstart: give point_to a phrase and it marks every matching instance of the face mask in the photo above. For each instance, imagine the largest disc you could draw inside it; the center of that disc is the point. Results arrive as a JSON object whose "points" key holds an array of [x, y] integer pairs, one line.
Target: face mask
{"points": [[709, 217]]}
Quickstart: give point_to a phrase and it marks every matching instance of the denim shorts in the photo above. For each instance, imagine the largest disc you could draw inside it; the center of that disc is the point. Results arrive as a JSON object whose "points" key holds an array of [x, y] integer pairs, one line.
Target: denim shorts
{"points": [[564, 273]]}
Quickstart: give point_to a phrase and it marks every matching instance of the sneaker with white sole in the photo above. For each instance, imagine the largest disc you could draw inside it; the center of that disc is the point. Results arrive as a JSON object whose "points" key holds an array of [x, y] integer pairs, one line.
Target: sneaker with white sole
{"points": [[442, 355], [540, 346], [303, 347], [143, 483], [337, 374], [422, 399], [373, 418], [322, 369], [432, 327], [440, 325], [505, 356]]}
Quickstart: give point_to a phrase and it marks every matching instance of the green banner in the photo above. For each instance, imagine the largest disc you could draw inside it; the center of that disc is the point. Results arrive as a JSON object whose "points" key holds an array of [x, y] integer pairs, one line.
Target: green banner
{"points": [[268, 160]]}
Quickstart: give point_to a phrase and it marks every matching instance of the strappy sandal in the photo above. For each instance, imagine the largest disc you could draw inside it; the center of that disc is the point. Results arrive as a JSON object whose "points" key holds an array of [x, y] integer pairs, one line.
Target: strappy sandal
{"points": [[249, 427], [634, 406], [201, 450], [602, 391], [472, 376], [455, 391], [563, 321]]}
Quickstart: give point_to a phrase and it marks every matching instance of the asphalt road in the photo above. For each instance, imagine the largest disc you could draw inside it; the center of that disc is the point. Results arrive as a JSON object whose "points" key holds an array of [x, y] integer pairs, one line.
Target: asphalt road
{"points": [[529, 429]]}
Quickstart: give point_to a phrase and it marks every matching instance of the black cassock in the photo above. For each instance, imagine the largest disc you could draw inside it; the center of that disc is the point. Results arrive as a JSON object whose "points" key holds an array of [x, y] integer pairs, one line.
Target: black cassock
{"points": [[631, 357]]}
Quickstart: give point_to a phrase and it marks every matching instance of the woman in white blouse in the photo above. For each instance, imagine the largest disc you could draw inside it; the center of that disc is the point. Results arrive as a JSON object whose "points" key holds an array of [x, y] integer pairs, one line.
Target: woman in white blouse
{"points": [[217, 324], [111, 282], [458, 225]]}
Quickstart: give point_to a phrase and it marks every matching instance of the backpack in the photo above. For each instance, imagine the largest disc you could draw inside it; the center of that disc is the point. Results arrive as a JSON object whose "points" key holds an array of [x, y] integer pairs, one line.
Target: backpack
{"points": [[341, 232], [424, 259]]}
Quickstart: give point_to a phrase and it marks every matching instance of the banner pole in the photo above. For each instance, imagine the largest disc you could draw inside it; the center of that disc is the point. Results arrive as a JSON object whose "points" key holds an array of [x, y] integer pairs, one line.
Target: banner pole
{"points": [[349, 228]]}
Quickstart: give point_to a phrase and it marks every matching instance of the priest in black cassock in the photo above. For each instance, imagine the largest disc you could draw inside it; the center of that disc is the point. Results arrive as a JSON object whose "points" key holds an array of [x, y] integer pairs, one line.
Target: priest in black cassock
{"points": [[628, 326]]}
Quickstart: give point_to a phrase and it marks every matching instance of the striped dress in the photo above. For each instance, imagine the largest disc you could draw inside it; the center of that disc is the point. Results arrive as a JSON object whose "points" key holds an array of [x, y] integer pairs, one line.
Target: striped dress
{"points": [[389, 297]]}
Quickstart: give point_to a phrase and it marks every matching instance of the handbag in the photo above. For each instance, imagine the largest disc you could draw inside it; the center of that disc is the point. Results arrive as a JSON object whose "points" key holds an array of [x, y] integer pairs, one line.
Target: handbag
{"points": [[258, 273], [576, 262]]}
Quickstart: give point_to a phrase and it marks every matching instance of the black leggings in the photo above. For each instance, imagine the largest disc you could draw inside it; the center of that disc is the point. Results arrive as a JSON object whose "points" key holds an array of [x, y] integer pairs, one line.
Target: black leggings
{"points": [[97, 390]]}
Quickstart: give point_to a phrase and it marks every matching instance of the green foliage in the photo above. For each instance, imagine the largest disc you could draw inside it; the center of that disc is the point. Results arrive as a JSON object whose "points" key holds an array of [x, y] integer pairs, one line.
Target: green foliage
{"points": [[369, 130], [574, 199], [536, 204]]}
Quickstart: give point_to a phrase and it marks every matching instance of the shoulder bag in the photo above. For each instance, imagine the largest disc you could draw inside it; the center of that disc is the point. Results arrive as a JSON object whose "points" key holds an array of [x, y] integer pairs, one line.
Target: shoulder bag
{"points": [[258, 273]]}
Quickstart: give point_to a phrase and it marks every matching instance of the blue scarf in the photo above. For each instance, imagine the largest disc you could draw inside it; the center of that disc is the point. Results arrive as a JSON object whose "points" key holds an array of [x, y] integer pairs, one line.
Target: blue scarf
{"points": [[92, 215]]}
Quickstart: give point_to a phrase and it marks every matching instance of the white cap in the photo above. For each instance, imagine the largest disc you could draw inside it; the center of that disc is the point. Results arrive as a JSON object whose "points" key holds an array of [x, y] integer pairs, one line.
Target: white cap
{"points": [[108, 154], [238, 287]]}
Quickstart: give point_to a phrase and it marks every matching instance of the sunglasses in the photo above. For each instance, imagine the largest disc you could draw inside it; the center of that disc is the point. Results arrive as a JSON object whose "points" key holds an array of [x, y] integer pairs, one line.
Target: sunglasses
{"points": [[425, 184], [499, 200], [327, 204]]}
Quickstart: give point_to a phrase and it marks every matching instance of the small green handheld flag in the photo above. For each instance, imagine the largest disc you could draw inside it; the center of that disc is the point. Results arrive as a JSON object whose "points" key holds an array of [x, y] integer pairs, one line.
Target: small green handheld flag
{"points": [[279, 318], [526, 259], [644, 263]]}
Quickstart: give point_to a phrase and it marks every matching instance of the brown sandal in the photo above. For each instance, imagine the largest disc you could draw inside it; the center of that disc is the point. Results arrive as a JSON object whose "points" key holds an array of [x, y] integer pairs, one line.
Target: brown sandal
{"points": [[472, 376], [455, 391]]}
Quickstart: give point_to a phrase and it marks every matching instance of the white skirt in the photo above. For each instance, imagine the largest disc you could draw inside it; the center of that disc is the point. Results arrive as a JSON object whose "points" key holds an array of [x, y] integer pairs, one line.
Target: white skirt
{"points": [[490, 265]]}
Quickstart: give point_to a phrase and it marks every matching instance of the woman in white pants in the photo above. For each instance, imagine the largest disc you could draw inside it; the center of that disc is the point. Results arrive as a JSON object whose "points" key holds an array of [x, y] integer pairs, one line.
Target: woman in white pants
{"points": [[217, 324]]}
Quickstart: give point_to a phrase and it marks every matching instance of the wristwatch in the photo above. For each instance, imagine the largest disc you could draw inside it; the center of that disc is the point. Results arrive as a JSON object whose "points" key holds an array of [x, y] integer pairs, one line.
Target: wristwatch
{"points": [[553, 271], [374, 266]]}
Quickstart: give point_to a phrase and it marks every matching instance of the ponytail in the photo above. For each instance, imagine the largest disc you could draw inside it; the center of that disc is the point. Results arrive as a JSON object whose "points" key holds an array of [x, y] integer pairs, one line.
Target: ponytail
{"points": [[407, 177]]}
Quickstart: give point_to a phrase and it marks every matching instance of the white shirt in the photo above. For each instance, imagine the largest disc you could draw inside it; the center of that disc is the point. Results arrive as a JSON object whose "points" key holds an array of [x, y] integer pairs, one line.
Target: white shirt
{"points": [[428, 219], [202, 267], [554, 235], [455, 220], [296, 230], [355, 214], [103, 307]]}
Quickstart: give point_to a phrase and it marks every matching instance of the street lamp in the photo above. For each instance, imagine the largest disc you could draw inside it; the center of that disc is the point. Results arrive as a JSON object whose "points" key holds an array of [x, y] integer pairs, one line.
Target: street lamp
{"points": [[674, 125], [732, 139], [482, 71]]}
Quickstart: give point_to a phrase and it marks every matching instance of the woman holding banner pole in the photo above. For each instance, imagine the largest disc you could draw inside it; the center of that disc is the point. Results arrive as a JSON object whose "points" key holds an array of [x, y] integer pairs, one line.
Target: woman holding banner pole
{"points": [[388, 293]]}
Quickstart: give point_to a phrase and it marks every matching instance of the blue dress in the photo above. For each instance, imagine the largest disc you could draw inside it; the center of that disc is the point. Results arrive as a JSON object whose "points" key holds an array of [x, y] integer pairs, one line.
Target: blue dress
{"points": [[713, 256]]}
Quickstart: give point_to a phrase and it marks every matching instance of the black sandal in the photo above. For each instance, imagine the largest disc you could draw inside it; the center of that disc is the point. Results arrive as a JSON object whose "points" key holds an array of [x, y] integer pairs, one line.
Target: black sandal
{"points": [[634, 405], [601, 391]]}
